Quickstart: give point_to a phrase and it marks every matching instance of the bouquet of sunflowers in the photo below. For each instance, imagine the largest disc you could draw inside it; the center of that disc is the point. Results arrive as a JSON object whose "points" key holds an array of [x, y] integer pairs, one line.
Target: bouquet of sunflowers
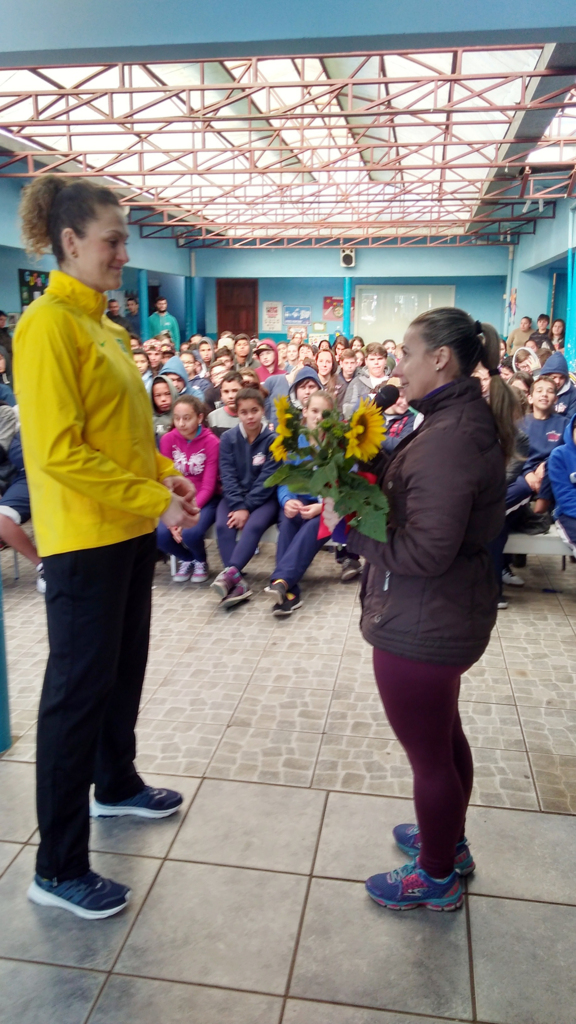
{"points": [[328, 464]]}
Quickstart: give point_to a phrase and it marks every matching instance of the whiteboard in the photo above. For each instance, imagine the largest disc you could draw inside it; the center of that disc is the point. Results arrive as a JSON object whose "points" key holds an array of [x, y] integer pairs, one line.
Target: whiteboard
{"points": [[386, 310]]}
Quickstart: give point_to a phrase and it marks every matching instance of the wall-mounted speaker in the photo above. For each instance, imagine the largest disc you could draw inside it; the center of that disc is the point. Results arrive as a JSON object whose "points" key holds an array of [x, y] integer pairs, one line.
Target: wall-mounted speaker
{"points": [[347, 257]]}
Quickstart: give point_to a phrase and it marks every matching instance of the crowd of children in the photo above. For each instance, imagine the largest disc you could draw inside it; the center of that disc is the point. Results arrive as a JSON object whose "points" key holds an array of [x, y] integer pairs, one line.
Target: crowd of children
{"points": [[213, 407]]}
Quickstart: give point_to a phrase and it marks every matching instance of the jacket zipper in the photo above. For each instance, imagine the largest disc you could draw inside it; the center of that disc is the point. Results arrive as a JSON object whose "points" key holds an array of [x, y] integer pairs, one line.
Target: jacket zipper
{"points": [[386, 581]]}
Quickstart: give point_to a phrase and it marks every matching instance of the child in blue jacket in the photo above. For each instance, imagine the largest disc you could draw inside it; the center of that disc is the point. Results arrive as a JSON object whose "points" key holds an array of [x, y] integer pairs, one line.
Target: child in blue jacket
{"points": [[562, 475], [247, 505]]}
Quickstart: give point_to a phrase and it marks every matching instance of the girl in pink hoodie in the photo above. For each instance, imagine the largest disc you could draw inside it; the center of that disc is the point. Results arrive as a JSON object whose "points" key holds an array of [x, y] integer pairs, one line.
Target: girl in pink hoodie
{"points": [[194, 451]]}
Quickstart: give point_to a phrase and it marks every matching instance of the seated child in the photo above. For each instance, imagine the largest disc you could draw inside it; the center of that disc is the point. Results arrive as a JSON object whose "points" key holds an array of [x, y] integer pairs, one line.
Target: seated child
{"points": [[562, 475], [247, 505], [15, 510], [175, 370], [556, 369], [163, 395], [298, 542], [545, 430], [226, 416], [194, 451]]}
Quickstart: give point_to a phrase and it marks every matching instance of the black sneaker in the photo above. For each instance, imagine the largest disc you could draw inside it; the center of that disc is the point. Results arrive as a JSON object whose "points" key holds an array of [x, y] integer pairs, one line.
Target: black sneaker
{"points": [[278, 590], [290, 603], [351, 568]]}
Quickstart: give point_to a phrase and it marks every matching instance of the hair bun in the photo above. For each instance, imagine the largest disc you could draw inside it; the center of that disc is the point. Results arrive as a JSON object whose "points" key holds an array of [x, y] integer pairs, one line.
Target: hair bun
{"points": [[478, 327]]}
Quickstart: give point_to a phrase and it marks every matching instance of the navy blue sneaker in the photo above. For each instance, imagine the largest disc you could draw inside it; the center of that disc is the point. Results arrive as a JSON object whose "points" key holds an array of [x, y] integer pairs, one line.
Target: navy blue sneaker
{"points": [[89, 896], [148, 803], [410, 886], [407, 837]]}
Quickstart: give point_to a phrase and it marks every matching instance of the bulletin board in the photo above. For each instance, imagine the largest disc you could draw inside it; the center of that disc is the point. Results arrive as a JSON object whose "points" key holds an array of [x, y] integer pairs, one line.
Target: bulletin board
{"points": [[386, 310]]}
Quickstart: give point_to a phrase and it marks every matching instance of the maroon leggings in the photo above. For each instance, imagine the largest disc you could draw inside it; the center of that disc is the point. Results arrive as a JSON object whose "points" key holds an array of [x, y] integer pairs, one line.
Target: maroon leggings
{"points": [[421, 701]]}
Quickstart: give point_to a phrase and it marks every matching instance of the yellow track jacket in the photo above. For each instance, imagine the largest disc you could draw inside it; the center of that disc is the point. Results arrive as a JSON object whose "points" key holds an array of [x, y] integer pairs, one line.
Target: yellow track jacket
{"points": [[86, 420]]}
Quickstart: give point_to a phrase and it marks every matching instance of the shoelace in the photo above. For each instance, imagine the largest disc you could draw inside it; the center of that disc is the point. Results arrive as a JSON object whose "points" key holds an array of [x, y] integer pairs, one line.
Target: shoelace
{"points": [[78, 887], [397, 874]]}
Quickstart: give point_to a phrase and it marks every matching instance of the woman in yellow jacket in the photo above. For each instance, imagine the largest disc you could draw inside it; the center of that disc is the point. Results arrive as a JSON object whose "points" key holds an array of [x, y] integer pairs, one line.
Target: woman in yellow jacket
{"points": [[97, 488]]}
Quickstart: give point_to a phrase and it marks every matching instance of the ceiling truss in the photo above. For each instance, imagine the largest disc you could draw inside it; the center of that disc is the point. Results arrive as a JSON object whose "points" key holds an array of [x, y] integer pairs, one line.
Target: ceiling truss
{"points": [[368, 149]]}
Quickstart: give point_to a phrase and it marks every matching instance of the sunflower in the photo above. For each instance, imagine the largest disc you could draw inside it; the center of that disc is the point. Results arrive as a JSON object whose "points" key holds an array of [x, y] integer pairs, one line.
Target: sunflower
{"points": [[366, 432], [285, 413], [278, 450]]}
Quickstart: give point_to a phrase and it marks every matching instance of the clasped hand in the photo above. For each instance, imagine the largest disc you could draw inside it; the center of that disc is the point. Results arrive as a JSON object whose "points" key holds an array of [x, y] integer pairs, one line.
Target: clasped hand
{"points": [[182, 512]]}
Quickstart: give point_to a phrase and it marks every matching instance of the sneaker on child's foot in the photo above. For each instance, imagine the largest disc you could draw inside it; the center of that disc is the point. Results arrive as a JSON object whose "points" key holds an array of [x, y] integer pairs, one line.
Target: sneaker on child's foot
{"points": [[200, 574], [148, 803], [40, 581], [89, 896], [407, 837], [351, 568], [184, 572], [278, 589], [502, 604], [290, 603], [226, 581], [410, 886], [511, 580], [239, 593]]}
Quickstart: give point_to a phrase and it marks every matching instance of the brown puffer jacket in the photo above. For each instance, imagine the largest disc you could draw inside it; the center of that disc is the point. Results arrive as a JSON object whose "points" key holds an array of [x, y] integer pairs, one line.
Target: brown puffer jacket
{"points": [[429, 593]]}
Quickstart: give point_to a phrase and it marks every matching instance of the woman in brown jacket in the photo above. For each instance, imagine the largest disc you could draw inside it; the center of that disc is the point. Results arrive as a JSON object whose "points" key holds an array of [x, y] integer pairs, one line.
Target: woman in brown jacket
{"points": [[429, 594]]}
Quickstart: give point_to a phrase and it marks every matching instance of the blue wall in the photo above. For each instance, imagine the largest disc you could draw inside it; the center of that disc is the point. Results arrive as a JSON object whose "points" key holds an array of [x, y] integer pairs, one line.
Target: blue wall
{"points": [[481, 296]]}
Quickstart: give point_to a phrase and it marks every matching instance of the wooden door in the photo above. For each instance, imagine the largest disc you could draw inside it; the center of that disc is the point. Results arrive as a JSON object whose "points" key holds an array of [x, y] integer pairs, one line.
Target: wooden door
{"points": [[237, 305]]}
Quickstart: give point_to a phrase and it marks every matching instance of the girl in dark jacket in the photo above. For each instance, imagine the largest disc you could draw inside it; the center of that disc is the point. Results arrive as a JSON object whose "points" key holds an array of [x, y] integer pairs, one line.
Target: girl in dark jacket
{"points": [[429, 594]]}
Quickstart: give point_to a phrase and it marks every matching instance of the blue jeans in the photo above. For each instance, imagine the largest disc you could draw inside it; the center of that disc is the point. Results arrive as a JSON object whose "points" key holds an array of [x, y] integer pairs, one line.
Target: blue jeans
{"points": [[238, 553], [298, 545], [192, 547]]}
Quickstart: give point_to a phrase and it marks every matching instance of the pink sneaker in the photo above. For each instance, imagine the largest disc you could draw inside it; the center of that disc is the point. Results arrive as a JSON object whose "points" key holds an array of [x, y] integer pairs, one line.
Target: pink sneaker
{"points": [[240, 593], [184, 572], [200, 574], [226, 581]]}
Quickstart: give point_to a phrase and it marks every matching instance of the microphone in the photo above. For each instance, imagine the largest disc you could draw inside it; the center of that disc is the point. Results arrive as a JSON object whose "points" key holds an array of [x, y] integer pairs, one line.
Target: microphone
{"points": [[387, 396]]}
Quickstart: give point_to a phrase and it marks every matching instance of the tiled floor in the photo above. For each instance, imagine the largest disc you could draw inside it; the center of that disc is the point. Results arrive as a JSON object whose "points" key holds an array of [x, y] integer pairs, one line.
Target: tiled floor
{"points": [[248, 907]]}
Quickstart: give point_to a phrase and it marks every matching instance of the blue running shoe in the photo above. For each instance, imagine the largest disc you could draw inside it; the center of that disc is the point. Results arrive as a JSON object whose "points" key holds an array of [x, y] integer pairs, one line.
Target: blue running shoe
{"points": [[407, 837], [409, 886], [148, 803], [89, 896]]}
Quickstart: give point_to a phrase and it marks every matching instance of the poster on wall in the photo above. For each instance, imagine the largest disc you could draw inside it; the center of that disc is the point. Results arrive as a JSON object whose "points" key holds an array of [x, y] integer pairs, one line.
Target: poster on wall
{"points": [[297, 316], [333, 309], [272, 316], [296, 333], [32, 284]]}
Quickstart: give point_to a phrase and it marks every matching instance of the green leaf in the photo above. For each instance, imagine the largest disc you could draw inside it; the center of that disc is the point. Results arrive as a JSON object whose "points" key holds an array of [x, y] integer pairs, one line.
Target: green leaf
{"points": [[324, 476], [372, 524]]}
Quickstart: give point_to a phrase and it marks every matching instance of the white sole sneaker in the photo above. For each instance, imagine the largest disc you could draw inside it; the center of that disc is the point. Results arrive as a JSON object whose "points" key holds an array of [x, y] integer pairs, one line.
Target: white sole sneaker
{"points": [[109, 811], [48, 899]]}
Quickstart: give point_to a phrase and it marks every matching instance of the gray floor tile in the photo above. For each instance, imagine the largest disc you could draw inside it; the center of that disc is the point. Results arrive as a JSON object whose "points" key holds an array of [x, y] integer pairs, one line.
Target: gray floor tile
{"points": [[8, 851], [55, 936], [38, 994], [555, 776], [522, 855], [356, 838], [253, 826], [301, 1011], [17, 801], [282, 707], [266, 755], [306, 670], [502, 778], [142, 1001], [176, 748], [524, 956], [549, 730], [492, 725], [352, 951], [217, 925], [140, 835]]}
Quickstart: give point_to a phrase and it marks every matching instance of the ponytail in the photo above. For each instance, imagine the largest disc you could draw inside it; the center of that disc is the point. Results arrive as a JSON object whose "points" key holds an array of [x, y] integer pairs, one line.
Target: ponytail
{"points": [[473, 342], [504, 401], [52, 203]]}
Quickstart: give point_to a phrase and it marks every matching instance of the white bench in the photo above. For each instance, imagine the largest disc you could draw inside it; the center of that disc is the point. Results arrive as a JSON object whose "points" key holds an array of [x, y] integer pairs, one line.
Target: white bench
{"points": [[517, 544], [551, 543]]}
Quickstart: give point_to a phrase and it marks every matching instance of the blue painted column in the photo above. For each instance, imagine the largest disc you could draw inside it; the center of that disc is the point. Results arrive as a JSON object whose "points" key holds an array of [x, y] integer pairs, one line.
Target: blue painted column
{"points": [[143, 303], [570, 347], [5, 735], [347, 318], [190, 306]]}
